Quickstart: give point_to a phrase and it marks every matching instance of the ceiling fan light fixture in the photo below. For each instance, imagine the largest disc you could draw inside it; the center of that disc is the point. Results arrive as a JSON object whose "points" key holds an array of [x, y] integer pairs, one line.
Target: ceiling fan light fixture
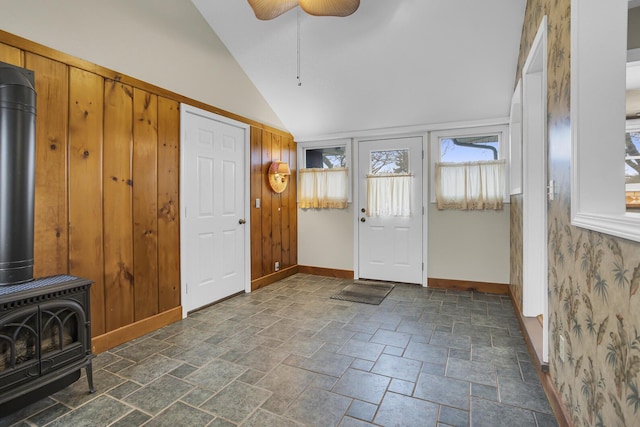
{"points": [[270, 9], [330, 7]]}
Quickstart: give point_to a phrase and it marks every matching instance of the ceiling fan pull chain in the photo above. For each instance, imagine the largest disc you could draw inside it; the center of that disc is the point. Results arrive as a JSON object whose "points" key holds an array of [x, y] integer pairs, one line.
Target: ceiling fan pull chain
{"points": [[298, 51]]}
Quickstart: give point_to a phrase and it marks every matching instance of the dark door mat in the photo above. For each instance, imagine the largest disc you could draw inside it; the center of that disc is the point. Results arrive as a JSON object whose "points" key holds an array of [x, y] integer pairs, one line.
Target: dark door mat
{"points": [[367, 293]]}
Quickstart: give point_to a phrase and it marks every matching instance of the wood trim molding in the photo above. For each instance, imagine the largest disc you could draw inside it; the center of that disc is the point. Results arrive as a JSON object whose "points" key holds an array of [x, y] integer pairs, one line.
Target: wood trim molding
{"points": [[129, 332], [38, 49], [273, 277], [555, 400], [466, 285], [326, 272]]}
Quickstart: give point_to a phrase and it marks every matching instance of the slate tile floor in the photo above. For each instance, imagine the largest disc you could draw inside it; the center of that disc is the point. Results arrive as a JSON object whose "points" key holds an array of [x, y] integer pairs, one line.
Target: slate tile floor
{"points": [[287, 355]]}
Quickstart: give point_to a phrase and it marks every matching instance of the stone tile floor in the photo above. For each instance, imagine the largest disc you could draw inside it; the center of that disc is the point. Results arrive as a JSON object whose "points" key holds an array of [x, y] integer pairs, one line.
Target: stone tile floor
{"points": [[288, 355]]}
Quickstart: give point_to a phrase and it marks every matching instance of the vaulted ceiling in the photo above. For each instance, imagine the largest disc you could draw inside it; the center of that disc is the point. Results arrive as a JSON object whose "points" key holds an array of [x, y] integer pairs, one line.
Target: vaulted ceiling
{"points": [[392, 64]]}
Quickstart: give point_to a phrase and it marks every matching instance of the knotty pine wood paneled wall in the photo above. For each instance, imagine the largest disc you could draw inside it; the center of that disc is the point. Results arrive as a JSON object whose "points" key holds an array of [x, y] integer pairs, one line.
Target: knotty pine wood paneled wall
{"points": [[107, 190], [277, 218]]}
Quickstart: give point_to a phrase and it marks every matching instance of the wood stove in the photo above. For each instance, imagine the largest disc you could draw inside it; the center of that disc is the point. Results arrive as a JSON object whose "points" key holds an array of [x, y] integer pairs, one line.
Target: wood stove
{"points": [[45, 338]]}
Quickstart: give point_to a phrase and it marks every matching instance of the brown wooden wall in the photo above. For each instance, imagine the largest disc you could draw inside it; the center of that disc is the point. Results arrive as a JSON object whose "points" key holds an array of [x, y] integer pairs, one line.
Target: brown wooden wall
{"points": [[274, 226], [107, 182]]}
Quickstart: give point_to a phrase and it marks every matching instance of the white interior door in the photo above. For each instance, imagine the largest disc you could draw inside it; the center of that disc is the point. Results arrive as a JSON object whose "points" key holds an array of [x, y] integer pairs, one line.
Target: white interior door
{"points": [[390, 245], [213, 208]]}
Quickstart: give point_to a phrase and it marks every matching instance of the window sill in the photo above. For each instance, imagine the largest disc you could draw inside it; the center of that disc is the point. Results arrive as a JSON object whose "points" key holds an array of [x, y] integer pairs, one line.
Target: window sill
{"points": [[625, 225]]}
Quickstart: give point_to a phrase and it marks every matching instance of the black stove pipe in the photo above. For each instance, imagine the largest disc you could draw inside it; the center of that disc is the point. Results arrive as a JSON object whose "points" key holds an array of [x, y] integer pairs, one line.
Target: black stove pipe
{"points": [[17, 173]]}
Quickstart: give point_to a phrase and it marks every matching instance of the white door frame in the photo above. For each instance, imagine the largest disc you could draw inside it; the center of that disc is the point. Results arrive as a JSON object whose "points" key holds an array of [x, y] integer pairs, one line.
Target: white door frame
{"points": [[535, 264], [184, 109], [356, 197]]}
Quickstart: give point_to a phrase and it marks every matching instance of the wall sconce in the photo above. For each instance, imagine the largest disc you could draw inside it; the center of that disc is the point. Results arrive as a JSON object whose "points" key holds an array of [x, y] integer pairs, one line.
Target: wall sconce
{"points": [[279, 176]]}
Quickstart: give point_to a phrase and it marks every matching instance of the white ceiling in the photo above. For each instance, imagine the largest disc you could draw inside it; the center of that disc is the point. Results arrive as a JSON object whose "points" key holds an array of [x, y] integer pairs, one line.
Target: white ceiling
{"points": [[393, 63]]}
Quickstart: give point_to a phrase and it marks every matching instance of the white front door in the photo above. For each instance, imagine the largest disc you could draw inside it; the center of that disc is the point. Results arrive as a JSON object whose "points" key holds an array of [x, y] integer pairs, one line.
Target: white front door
{"points": [[390, 240], [213, 208]]}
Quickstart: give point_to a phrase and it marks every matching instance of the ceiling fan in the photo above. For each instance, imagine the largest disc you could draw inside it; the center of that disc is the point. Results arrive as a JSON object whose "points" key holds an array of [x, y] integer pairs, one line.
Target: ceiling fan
{"points": [[269, 9]]}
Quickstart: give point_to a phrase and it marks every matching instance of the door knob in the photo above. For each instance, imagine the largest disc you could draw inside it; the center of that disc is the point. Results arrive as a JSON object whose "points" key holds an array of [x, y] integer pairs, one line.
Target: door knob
{"points": [[242, 221], [362, 219]]}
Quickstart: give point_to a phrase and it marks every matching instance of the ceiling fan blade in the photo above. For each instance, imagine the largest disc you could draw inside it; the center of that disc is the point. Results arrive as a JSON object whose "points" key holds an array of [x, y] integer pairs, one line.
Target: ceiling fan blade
{"points": [[330, 7], [269, 9]]}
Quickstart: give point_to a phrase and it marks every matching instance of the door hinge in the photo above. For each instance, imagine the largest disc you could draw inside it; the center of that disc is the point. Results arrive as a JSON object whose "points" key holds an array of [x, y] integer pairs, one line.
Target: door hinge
{"points": [[422, 154], [423, 266], [185, 211], [186, 288], [423, 210]]}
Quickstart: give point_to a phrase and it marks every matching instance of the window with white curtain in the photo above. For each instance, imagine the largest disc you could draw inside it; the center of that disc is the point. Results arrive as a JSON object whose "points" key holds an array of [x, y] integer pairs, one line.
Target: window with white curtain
{"points": [[389, 183], [323, 178], [469, 168], [323, 188]]}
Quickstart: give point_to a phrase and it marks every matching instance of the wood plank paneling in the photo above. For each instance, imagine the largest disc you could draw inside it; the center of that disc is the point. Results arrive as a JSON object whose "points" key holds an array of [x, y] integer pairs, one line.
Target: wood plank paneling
{"points": [[285, 213], [293, 202], [276, 209], [145, 203], [118, 220], [168, 203], [274, 235], [90, 225], [267, 240], [85, 187], [10, 55], [256, 193], [51, 248]]}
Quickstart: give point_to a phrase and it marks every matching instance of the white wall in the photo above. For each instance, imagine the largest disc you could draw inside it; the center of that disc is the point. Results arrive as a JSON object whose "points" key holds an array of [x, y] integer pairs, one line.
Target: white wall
{"points": [[325, 238], [469, 245], [163, 42]]}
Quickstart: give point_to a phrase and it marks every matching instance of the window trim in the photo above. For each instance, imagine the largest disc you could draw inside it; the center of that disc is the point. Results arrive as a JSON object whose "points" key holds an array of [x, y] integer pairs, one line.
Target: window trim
{"points": [[598, 114], [313, 145], [503, 150]]}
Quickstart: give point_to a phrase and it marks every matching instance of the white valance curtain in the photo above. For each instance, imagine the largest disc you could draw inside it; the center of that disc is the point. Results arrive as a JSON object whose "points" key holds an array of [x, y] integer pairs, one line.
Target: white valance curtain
{"points": [[323, 188], [389, 195], [470, 185]]}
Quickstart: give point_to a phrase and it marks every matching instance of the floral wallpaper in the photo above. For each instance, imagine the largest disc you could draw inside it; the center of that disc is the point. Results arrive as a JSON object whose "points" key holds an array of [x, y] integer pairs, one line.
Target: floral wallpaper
{"points": [[593, 278]]}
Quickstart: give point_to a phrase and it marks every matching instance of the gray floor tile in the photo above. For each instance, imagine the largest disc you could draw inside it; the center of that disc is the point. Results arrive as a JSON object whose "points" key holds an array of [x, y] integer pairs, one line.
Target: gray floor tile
{"points": [[287, 355], [262, 358], [236, 401], [443, 390], [322, 362], [48, 415], [158, 395], [362, 385], [453, 416], [477, 372], [262, 418], [316, 407], [285, 383], [397, 367], [362, 410], [101, 411], [149, 369], [216, 375], [485, 413], [399, 410], [180, 414], [396, 339], [142, 350], [132, 419], [402, 387], [426, 352], [361, 350]]}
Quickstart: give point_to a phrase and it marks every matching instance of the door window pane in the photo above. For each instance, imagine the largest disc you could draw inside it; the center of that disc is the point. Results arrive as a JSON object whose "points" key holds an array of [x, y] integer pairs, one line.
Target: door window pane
{"points": [[389, 162]]}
